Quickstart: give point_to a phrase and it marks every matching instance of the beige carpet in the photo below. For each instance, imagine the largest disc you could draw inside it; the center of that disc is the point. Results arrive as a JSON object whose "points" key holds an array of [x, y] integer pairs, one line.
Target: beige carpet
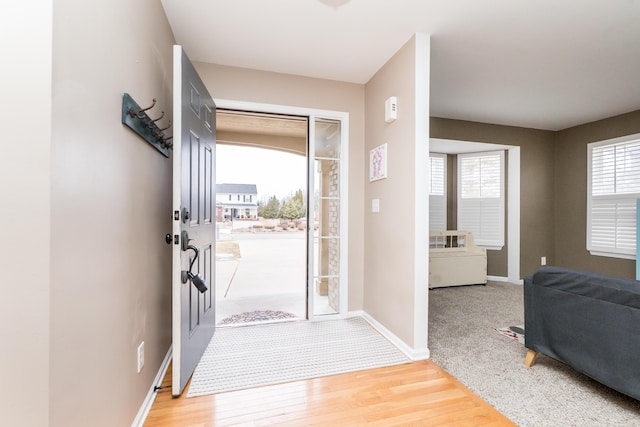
{"points": [[463, 340]]}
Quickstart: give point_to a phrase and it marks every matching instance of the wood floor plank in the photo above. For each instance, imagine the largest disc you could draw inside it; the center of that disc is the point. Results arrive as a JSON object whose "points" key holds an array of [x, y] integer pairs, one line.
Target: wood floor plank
{"points": [[418, 393]]}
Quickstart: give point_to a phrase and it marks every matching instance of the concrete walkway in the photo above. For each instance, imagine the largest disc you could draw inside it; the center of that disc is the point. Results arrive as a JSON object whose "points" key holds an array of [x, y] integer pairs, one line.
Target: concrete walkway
{"points": [[269, 275]]}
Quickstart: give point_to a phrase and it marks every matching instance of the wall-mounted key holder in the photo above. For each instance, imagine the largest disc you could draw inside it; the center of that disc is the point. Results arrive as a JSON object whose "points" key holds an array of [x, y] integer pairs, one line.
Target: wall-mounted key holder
{"points": [[136, 119]]}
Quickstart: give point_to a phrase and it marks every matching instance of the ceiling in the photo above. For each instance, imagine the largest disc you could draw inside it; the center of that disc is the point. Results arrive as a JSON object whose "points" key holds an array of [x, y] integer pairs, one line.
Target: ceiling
{"points": [[544, 64], [262, 124]]}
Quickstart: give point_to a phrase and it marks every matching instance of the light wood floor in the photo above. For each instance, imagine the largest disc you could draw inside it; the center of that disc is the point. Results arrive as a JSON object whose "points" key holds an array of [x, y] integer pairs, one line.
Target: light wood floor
{"points": [[416, 394]]}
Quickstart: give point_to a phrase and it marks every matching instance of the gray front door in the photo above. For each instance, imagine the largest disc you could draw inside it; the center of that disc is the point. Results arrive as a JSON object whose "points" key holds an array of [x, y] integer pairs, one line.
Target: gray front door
{"points": [[193, 219]]}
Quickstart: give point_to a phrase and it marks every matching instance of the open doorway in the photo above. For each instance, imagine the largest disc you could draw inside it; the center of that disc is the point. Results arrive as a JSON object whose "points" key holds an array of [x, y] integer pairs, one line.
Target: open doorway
{"points": [[508, 261], [278, 217], [261, 214]]}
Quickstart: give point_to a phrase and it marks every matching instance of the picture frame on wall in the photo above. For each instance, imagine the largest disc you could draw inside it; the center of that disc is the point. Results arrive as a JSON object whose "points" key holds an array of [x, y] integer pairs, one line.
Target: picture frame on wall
{"points": [[378, 163]]}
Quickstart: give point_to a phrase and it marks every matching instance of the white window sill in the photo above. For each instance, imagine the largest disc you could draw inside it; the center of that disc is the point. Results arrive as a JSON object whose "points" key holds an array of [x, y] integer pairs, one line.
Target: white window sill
{"points": [[612, 255]]}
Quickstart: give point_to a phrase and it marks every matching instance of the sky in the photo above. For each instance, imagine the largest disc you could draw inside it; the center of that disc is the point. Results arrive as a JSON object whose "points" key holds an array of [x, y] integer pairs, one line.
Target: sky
{"points": [[274, 172]]}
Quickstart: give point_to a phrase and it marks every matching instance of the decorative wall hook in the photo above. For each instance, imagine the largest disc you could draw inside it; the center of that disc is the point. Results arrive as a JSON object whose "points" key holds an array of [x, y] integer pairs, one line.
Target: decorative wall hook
{"points": [[140, 113], [168, 126], [136, 119], [133, 112], [159, 118]]}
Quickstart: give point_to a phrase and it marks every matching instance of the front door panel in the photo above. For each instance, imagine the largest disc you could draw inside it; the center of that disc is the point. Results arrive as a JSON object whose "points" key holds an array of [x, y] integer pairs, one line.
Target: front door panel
{"points": [[193, 186]]}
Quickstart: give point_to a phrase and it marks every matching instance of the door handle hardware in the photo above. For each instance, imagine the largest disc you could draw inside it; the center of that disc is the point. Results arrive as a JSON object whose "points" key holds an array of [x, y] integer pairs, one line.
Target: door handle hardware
{"points": [[197, 280], [187, 275], [185, 240], [185, 215]]}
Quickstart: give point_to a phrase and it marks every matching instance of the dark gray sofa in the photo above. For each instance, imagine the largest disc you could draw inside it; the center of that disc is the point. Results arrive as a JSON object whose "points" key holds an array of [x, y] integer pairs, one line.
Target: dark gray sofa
{"points": [[589, 321]]}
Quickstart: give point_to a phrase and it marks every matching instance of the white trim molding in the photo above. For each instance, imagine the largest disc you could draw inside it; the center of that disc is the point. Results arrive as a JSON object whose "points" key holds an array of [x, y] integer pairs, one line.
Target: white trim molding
{"points": [[143, 412], [505, 280], [402, 346]]}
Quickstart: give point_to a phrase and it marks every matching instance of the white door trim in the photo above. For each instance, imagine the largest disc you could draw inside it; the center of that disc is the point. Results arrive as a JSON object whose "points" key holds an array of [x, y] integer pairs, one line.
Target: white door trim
{"points": [[344, 182]]}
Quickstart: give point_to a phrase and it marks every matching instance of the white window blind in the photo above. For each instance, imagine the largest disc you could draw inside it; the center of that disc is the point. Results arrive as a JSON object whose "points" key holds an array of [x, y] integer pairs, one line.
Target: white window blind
{"points": [[481, 197], [613, 188], [438, 192]]}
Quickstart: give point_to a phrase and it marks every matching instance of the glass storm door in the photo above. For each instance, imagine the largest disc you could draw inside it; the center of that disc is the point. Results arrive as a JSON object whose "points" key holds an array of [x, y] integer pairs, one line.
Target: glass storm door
{"points": [[325, 219]]}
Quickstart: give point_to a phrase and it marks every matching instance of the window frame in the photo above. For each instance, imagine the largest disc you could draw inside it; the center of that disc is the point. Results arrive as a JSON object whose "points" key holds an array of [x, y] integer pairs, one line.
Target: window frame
{"points": [[479, 239], [444, 195], [630, 198]]}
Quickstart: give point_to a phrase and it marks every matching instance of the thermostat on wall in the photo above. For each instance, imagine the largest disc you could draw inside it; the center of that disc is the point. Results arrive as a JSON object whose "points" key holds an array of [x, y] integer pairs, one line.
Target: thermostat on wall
{"points": [[391, 109]]}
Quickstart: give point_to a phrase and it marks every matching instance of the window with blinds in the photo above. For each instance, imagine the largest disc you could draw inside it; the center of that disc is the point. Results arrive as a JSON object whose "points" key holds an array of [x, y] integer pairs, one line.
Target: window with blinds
{"points": [[481, 197], [613, 188], [437, 192]]}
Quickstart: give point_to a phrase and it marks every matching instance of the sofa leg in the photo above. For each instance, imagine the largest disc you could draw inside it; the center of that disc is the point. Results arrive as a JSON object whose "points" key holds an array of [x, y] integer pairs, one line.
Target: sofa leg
{"points": [[530, 358]]}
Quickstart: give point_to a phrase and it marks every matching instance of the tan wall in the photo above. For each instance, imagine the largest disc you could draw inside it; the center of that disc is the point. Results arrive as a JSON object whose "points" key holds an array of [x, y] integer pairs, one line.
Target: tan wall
{"points": [[244, 85], [24, 218], [110, 210], [571, 194], [396, 238], [537, 180]]}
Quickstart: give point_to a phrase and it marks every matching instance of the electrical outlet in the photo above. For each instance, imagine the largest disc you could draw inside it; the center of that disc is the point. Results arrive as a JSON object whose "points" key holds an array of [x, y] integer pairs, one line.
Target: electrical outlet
{"points": [[543, 260], [140, 356]]}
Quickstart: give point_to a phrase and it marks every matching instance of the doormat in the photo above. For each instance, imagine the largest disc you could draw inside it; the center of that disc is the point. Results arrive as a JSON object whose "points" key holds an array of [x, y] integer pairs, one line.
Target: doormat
{"points": [[513, 332], [256, 316], [273, 353]]}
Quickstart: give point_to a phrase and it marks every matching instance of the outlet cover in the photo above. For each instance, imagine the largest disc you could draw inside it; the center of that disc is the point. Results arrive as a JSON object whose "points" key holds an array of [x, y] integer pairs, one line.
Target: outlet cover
{"points": [[375, 205], [140, 356]]}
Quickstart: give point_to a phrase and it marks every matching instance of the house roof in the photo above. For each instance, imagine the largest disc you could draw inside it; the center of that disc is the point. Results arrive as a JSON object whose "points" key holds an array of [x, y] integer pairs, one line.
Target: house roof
{"points": [[237, 188], [544, 64]]}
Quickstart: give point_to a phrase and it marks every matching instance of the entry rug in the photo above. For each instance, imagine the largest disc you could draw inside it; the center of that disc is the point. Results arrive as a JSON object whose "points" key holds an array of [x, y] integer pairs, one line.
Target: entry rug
{"points": [[513, 332], [259, 355], [256, 316]]}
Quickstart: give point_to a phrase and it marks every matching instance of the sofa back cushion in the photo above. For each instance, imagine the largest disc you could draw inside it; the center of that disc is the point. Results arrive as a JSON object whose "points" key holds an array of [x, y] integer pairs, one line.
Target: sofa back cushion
{"points": [[593, 285]]}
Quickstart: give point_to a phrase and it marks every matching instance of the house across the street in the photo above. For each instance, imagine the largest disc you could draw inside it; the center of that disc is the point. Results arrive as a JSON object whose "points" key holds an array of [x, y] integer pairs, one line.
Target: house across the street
{"points": [[236, 201]]}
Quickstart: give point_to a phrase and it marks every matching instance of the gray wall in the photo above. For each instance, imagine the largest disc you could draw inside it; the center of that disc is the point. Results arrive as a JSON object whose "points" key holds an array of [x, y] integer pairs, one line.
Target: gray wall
{"points": [[110, 209], [571, 194], [24, 217], [87, 275], [537, 177], [396, 238], [553, 189]]}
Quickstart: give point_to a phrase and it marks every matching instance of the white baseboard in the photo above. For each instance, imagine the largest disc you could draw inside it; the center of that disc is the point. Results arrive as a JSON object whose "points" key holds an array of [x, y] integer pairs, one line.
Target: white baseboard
{"points": [[152, 393], [402, 346], [504, 279]]}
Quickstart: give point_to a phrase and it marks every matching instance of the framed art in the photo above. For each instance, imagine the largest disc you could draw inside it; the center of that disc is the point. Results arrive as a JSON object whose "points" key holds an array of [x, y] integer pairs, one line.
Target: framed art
{"points": [[378, 163]]}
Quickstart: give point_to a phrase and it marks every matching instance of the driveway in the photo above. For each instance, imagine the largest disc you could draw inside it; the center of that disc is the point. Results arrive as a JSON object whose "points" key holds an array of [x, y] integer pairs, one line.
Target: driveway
{"points": [[261, 271]]}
